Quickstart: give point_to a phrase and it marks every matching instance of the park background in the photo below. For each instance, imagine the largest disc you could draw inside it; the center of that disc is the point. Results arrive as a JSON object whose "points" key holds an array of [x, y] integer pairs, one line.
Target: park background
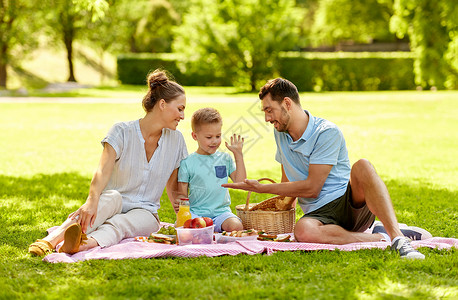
{"points": [[385, 71]]}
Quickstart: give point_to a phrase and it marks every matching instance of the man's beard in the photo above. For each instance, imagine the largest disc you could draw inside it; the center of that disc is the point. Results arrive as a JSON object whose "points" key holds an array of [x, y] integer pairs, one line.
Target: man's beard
{"points": [[284, 120]]}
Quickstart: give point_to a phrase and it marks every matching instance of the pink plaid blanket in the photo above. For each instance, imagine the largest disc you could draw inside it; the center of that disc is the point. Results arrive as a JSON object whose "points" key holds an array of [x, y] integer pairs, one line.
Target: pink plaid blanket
{"points": [[129, 248]]}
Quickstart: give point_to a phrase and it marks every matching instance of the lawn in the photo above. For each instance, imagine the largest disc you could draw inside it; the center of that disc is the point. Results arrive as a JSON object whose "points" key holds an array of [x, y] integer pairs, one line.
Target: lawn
{"points": [[50, 149]]}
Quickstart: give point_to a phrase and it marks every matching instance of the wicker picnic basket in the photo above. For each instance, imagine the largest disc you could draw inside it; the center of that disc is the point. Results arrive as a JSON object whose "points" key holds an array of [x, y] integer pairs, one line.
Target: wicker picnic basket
{"points": [[275, 215]]}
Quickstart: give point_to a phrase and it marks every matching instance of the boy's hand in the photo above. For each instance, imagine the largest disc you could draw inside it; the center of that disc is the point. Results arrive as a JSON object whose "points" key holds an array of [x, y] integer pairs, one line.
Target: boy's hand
{"points": [[236, 144]]}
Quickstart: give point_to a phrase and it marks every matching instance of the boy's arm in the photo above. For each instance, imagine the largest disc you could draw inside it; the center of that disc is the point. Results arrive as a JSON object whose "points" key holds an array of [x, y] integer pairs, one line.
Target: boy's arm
{"points": [[235, 147]]}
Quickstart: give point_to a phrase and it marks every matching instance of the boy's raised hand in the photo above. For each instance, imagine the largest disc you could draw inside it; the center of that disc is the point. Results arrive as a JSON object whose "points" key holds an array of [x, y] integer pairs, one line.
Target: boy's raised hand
{"points": [[236, 144]]}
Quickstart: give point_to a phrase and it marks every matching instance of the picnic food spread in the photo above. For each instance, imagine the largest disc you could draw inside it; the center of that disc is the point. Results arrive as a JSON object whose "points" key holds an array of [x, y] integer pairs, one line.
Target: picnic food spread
{"points": [[204, 235]]}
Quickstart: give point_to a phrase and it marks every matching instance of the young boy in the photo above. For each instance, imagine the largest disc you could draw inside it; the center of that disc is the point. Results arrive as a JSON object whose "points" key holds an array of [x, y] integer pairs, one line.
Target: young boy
{"points": [[206, 169]]}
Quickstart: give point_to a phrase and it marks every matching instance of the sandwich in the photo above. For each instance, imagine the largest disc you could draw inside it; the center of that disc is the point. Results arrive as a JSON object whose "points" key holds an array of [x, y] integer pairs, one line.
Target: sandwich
{"points": [[161, 238]]}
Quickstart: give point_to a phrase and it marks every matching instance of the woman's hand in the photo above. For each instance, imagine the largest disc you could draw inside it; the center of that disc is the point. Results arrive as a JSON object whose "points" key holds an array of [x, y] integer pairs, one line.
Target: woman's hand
{"points": [[86, 214], [176, 205], [236, 144]]}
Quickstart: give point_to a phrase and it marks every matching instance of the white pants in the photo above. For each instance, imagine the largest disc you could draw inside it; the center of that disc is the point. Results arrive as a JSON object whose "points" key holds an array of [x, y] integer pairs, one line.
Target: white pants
{"points": [[111, 226]]}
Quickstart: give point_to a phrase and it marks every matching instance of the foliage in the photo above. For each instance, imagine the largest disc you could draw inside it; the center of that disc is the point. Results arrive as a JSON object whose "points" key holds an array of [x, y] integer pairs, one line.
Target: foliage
{"points": [[348, 71], [237, 39], [44, 175], [309, 71], [17, 34], [67, 21], [432, 27], [352, 20], [155, 30], [133, 68]]}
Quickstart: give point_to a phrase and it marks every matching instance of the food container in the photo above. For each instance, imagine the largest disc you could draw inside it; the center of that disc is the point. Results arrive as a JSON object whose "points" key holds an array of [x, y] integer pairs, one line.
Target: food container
{"points": [[224, 239], [192, 236]]}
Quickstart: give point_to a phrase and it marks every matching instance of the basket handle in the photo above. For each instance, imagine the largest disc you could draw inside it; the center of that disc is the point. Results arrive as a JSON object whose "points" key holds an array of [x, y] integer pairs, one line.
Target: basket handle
{"points": [[249, 193]]}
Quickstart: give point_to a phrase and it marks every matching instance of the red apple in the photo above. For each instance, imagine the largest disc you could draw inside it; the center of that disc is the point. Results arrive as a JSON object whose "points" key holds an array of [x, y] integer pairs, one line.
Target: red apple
{"points": [[187, 223], [208, 221], [198, 223]]}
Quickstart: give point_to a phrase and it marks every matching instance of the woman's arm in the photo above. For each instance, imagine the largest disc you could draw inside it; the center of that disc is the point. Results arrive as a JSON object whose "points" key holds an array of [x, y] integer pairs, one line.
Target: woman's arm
{"points": [[175, 190], [88, 211]]}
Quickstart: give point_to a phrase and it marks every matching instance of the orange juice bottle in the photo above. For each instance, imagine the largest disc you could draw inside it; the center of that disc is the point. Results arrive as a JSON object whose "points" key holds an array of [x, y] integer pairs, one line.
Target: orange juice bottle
{"points": [[184, 213]]}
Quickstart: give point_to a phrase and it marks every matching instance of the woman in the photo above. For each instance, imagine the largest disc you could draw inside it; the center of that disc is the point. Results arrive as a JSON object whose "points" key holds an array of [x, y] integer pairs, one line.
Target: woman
{"points": [[139, 159]]}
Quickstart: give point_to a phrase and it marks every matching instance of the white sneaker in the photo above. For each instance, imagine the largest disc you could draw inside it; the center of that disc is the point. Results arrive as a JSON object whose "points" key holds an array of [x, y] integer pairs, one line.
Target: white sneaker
{"points": [[404, 248], [412, 232]]}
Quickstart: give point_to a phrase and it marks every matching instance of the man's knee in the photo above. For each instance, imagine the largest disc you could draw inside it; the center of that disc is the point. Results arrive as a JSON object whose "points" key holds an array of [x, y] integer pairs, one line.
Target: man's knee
{"points": [[306, 230], [362, 170]]}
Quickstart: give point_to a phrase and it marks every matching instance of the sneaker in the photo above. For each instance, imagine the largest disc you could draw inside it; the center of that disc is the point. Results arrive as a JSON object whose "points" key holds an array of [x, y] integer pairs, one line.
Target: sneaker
{"points": [[405, 249], [412, 232]]}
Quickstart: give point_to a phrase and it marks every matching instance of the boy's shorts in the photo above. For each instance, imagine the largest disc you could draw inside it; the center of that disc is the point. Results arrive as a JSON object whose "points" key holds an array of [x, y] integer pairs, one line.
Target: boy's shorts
{"points": [[341, 212], [219, 219]]}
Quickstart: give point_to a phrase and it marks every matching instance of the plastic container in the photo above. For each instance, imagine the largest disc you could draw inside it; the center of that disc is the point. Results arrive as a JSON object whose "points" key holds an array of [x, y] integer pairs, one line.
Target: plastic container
{"points": [[192, 236], [184, 213], [224, 239]]}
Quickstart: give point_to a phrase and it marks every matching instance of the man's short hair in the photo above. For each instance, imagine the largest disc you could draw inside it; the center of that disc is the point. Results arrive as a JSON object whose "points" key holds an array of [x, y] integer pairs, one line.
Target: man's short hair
{"points": [[205, 115], [280, 88]]}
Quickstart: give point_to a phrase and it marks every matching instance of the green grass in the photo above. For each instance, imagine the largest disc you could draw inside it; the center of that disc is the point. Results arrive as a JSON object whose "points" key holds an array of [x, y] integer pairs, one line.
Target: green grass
{"points": [[50, 150]]}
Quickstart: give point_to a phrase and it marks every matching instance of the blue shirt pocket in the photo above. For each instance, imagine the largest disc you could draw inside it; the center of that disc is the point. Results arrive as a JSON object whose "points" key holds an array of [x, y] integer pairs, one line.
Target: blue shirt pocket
{"points": [[220, 171]]}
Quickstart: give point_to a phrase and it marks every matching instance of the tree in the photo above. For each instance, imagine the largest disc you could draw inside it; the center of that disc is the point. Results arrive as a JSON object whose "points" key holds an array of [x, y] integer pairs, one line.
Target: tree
{"points": [[16, 33], [68, 18], [154, 31], [352, 20], [432, 27], [236, 39]]}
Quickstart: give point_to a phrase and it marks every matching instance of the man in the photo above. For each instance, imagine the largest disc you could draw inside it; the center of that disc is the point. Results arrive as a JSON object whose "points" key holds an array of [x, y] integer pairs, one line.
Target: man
{"points": [[339, 202]]}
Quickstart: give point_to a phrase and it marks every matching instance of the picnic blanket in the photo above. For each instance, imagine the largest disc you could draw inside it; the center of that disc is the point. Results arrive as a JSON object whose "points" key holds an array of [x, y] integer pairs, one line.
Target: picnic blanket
{"points": [[130, 248]]}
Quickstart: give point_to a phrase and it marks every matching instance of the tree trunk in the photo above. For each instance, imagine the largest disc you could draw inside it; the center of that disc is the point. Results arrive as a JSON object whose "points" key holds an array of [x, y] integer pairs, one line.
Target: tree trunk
{"points": [[69, 45], [3, 75], [3, 64]]}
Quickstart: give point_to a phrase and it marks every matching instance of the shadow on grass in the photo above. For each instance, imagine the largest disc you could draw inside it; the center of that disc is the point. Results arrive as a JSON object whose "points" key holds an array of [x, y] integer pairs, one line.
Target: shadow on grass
{"points": [[33, 204], [30, 205]]}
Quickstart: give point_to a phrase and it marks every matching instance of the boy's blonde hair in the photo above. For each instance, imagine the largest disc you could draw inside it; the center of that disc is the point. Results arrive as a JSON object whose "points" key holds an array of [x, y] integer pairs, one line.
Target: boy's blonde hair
{"points": [[205, 115]]}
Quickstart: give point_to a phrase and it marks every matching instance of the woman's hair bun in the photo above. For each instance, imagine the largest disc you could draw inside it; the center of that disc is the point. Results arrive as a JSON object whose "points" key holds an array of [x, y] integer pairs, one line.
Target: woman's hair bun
{"points": [[157, 78], [160, 86]]}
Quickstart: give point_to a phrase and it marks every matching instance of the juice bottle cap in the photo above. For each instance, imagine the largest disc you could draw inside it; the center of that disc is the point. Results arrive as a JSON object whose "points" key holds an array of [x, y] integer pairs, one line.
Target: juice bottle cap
{"points": [[184, 199]]}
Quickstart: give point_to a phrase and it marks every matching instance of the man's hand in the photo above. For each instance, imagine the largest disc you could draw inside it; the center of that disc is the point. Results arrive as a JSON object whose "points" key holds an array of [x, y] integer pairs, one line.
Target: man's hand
{"points": [[247, 185]]}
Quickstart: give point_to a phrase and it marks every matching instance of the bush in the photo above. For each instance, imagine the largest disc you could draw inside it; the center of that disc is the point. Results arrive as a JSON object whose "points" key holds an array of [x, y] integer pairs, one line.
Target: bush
{"points": [[348, 71], [133, 68], [334, 71]]}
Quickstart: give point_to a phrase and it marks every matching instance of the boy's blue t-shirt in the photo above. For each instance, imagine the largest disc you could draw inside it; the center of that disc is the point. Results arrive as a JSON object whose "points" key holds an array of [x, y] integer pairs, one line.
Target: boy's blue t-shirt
{"points": [[321, 143], [205, 174]]}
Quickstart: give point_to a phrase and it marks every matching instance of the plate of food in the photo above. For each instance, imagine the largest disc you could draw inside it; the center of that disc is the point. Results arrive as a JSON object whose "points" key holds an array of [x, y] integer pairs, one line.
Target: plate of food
{"points": [[241, 235], [165, 235]]}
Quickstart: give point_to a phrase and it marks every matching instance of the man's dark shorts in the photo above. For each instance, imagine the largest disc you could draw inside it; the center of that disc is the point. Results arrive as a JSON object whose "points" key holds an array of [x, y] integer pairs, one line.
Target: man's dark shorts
{"points": [[341, 212]]}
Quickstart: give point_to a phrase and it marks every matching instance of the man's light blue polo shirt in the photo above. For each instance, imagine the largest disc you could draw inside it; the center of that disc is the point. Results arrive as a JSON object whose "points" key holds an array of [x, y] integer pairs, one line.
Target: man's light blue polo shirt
{"points": [[321, 143]]}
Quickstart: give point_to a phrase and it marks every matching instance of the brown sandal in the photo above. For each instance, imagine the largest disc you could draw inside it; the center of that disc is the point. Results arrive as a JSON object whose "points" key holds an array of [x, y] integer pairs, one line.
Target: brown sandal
{"points": [[73, 238], [41, 248]]}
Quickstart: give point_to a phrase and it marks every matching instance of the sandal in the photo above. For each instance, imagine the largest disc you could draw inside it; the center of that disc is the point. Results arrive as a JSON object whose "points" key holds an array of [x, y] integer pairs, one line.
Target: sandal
{"points": [[73, 238], [40, 248]]}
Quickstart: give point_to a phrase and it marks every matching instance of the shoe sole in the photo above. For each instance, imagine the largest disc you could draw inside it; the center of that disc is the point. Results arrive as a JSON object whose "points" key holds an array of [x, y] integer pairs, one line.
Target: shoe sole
{"points": [[72, 239]]}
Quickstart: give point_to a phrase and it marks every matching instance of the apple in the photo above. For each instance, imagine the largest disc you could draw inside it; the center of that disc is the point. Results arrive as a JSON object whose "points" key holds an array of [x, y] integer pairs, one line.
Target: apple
{"points": [[187, 223], [208, 221], [198, 223]]}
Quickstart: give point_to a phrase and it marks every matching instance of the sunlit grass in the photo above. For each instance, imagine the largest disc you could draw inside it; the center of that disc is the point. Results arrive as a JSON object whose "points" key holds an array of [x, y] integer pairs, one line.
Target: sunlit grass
{"points": [[50, 150]]}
